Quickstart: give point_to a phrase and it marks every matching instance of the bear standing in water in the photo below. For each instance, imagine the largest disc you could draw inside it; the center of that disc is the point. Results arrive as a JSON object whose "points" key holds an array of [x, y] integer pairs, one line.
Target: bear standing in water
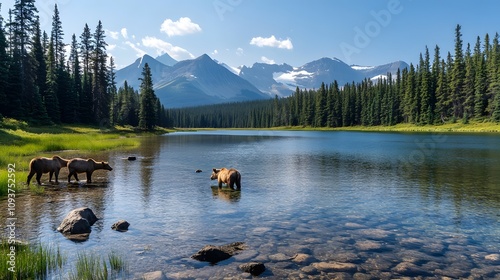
{"points": [[42, 165], [78, 165], [228, 177]]}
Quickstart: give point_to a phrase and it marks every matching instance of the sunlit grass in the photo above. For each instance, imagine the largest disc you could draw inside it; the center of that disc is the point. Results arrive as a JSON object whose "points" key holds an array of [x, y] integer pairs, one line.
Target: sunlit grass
{"points": [[31, 262], [472, 127], [19, 143], [91, 266]]}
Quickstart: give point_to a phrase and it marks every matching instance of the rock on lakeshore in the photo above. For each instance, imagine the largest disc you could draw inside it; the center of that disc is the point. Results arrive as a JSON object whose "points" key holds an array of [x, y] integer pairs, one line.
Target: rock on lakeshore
{"points": [[215, 254], [254, 268], [78, 221]]}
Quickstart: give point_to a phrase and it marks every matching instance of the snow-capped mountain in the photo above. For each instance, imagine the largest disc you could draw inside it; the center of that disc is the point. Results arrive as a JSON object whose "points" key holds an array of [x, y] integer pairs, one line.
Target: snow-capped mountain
{"points": [[202, 80], [193, 82], [283, 79]]}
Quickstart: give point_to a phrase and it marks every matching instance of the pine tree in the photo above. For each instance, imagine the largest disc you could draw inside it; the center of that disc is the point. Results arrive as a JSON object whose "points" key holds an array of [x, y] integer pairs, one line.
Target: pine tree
{"points": [[38, 110], [147, 115], [492, 64], [469, 84], [458, 76], [86, 103], [4, 68], [320, 107], [480, 81], [100, 96], [76, 76], [114, 106], [51, 100], [57, 36], [426, 93]]}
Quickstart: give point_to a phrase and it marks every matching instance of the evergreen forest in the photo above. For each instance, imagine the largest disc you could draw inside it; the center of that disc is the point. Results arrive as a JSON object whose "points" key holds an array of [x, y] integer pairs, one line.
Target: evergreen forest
{"points": [[41, 84], [462, 86]]}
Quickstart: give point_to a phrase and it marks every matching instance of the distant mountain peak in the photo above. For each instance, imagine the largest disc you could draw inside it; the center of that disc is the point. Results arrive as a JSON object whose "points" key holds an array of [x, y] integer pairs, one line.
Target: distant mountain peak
{"points": [[166, 59]]}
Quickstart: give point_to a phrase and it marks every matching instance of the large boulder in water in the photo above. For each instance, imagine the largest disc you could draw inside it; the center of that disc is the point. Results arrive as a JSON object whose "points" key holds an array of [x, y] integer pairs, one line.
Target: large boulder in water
{"points": [[78, 221], [215, 254]]}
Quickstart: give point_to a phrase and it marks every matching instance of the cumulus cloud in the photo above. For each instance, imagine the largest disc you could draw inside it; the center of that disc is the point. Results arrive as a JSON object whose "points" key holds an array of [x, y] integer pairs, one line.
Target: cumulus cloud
{"points": [[162, 47], [178, 28], [267, 60], [239, 51], [272, 42], [112, 34], [124, 33], [139, 52]]}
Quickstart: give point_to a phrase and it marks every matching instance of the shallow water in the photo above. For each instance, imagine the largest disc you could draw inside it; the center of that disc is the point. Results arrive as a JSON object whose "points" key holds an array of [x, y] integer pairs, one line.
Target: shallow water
{"points": [[383, 205]]}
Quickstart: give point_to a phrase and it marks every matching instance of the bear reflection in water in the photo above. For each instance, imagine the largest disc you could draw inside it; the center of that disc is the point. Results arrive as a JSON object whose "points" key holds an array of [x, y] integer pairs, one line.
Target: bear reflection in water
{"points": [[226, 194]]}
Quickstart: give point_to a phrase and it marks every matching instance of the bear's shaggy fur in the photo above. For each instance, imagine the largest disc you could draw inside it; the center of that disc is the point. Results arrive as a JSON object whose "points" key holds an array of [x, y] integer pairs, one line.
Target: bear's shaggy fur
{"points": [[79, 165], [228, 177], [41, 165]]}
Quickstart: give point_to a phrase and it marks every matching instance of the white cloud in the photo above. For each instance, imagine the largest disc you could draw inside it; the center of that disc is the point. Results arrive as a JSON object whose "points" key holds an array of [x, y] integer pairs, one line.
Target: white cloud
{"points": [[162, 47], [124, 33], [215, 52], [267, 60], [239, 51], [112, 34], [111, 47], [139, 51], [272, 42], [181, 27]]}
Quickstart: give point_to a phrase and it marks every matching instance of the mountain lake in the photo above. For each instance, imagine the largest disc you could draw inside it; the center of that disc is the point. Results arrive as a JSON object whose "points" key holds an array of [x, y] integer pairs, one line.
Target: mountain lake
{"points": [[319, 205]]}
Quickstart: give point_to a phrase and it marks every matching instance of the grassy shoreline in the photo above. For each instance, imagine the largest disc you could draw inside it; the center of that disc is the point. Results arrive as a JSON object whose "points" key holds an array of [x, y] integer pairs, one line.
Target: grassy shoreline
{"points": [[20, 142], [486, 127], [473, 127]]}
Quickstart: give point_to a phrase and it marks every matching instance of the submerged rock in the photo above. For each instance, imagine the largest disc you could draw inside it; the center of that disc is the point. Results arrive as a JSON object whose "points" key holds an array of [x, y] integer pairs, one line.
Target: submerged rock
{"points": [[131, 158], [215, 254], [335, 266], [155, 275], [254, 268], [121, 225], [78, 221], [198, 171]]}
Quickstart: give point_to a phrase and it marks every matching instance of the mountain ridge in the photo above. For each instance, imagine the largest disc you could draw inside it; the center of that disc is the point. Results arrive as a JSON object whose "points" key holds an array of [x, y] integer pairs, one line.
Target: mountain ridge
{"points": [[203, 81]]}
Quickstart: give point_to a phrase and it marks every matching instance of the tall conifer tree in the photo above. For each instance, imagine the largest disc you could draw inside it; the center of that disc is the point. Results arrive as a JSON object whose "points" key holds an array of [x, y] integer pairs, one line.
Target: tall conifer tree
{"points": [[147, 114]]}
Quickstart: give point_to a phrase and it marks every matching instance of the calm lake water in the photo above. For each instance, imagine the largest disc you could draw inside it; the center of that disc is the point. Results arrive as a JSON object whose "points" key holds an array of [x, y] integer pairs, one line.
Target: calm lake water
{"points": [[357, 205]]}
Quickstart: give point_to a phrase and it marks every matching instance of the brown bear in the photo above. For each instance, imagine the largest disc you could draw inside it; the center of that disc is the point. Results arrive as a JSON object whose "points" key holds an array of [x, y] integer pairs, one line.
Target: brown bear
{"points": [[79, 165], [228, 177], [40, 165]]}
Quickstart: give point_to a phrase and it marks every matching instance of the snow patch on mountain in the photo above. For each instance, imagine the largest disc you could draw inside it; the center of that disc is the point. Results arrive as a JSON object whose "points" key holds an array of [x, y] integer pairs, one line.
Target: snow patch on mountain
{"points": [[292, 77], [359, 67]]}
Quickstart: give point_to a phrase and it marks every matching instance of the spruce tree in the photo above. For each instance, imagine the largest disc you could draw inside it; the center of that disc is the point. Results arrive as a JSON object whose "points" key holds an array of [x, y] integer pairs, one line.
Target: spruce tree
{"points": [[100, 96], [38, 110], [147, 115], [469, 85], [76, 76], [458, 76], [480, 81], [57, 35], [114, 106], [51, 98], [4, 68]]}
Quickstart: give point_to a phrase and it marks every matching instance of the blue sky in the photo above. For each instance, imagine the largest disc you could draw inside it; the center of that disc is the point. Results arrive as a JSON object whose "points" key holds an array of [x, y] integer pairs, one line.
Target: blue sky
{"points": [[242, 32]]}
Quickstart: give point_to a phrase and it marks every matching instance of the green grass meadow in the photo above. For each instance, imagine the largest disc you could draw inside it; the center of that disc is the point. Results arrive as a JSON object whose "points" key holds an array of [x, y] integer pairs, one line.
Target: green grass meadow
{"points": [[19, 143]]}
